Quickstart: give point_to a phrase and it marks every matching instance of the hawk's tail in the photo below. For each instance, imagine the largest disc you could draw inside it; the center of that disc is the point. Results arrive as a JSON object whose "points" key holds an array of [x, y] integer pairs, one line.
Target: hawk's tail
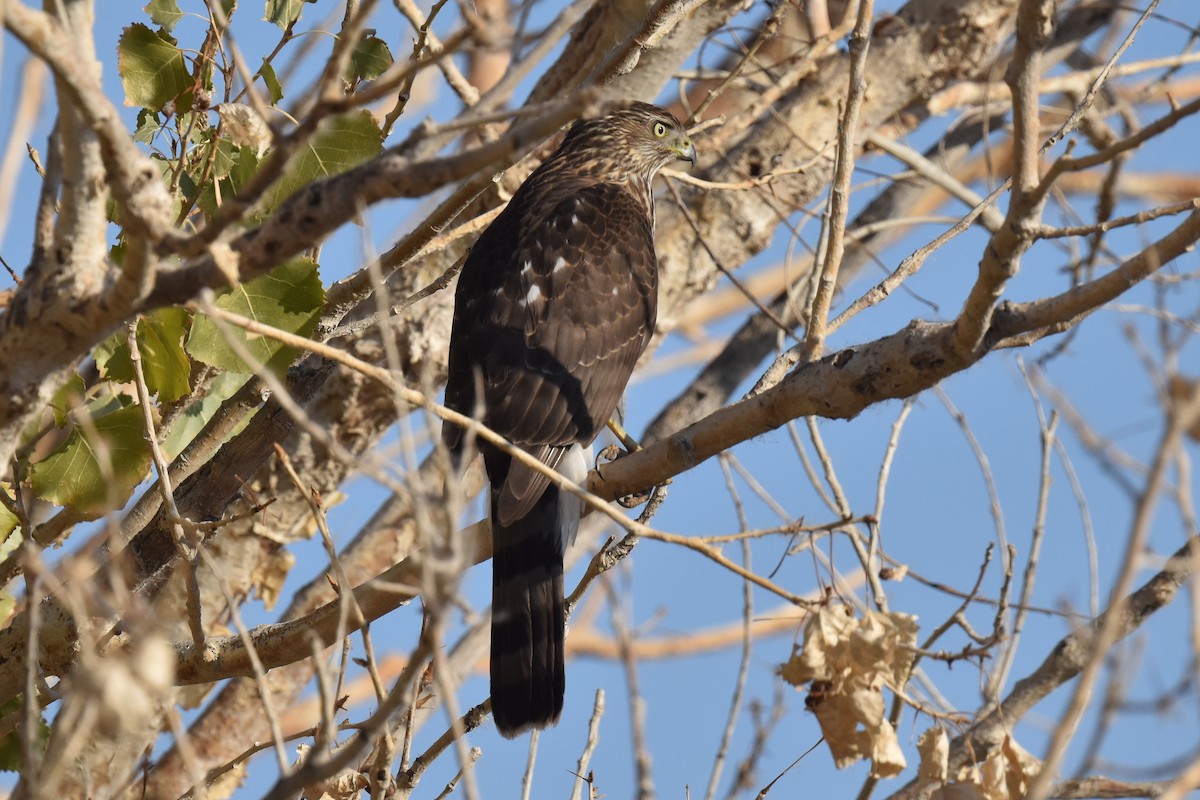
{"points": [[527, 664]]}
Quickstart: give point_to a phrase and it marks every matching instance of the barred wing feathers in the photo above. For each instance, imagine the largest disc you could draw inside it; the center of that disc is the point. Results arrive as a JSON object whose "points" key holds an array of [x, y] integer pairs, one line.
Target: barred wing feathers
{"points": [[555, 305]]}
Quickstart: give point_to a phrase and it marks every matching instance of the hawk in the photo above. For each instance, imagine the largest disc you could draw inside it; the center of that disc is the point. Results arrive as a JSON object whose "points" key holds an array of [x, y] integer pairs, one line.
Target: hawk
{"points": [[555, 304]]}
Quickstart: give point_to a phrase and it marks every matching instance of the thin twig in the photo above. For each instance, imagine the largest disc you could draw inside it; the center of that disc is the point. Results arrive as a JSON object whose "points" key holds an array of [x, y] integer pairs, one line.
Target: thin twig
{"points": [[637, 704], [739, 684], [1047, 433], [589, 747], [256, 664], [469, 721], [839, 188], [527, 778], [1109, 628], [184, 542]]}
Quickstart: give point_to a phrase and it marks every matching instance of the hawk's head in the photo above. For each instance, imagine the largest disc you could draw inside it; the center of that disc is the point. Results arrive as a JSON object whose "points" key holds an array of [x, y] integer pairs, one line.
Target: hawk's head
{"points": [[640, 139]]}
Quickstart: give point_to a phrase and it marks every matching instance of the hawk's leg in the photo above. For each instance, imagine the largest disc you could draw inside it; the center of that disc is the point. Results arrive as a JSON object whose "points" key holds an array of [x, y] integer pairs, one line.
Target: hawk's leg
{"points": [[628, 442], [614, 452]]}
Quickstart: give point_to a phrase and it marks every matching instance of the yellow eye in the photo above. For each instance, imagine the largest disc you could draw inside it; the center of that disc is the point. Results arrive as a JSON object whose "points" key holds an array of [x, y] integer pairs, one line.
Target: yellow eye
{"points": [[660, 130]]}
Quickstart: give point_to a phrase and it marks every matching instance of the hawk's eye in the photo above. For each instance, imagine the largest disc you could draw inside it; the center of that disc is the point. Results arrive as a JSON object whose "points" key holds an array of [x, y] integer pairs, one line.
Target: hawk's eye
{"points": [[660, 129]]}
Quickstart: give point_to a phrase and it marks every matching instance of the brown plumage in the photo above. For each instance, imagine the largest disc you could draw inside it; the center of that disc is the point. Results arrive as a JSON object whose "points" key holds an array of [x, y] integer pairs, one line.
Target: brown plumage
{"points": [[555, 304]]}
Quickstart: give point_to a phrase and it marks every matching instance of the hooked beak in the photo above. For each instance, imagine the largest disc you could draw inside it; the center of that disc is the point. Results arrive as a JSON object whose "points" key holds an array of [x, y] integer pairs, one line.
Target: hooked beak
{"points": [[686, 151]]}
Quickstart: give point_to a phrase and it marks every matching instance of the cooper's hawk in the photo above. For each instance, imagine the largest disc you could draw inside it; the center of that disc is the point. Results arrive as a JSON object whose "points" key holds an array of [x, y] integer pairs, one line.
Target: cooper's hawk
{"points": [[554, 306]]}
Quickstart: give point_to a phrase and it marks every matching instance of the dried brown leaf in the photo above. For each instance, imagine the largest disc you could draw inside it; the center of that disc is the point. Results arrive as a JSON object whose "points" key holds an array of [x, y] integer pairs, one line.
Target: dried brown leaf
{"points": [[934, 747], [849, 661]]}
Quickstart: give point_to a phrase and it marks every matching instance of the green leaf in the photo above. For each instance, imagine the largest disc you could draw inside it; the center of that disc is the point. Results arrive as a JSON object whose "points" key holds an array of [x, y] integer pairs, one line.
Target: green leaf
{"points": [[197, 414], [370, 59], [112, 358], [225, 158], [289, 297], [148, 126], [193, 125], [152, 70], [72, 476], [166, 366], [69, 395], [164, 12], [188, 187], [10, 743], [284, 12], [274, 90], [8, 523], [10, 540], [245, 164], [116, 253], [344, 142], [207, 67]]}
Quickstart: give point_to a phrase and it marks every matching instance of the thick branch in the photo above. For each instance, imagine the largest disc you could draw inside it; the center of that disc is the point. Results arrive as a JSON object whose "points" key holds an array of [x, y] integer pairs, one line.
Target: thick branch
{"points": [[322, 206], [906, 363], [31, 360], [1070, 656], [146, 208]]}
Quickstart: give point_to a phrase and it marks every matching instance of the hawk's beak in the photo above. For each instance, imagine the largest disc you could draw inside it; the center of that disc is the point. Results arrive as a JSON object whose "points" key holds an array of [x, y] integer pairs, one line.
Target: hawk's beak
{"points": [[686, 151]]}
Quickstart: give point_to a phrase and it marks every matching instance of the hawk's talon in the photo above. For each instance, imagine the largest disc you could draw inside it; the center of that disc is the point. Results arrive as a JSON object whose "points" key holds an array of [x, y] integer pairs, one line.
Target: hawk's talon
{"points": [[609, 454], [614, 452], [635, 500]]}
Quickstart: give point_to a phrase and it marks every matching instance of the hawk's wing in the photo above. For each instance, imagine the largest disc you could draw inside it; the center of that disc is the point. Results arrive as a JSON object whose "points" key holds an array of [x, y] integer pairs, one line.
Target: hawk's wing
{"points": [[554, 306]]}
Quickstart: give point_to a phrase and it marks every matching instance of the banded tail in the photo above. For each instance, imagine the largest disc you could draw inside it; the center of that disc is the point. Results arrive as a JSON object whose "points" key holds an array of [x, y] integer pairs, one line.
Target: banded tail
{"points": [[528, 619], [528, 665]]}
